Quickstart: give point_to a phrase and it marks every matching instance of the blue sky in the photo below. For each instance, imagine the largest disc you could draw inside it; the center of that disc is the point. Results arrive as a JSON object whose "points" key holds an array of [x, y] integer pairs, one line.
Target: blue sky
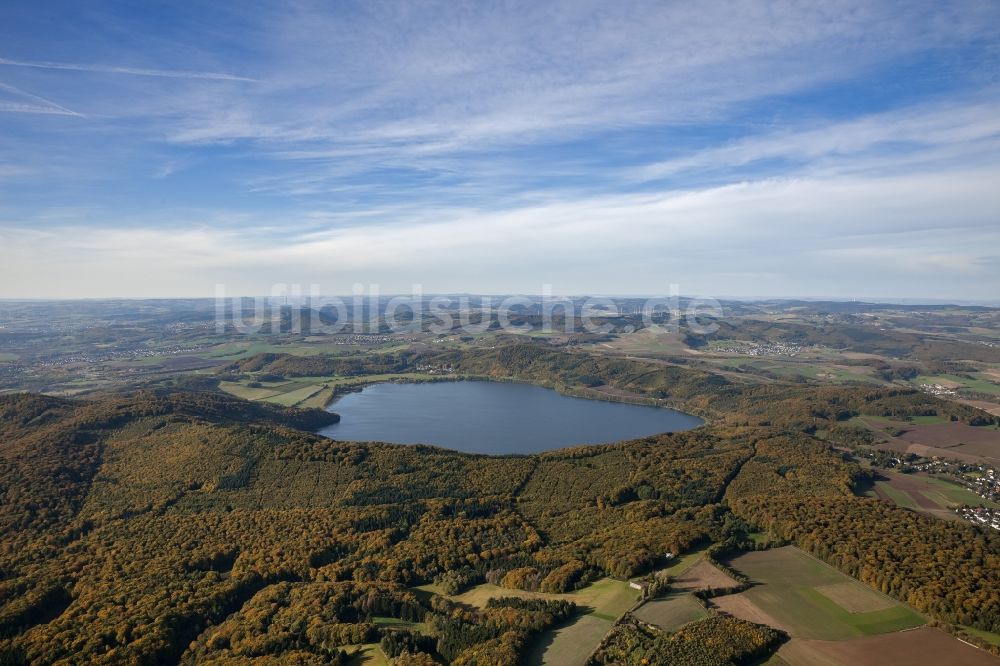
{"points": [[844, 149]]}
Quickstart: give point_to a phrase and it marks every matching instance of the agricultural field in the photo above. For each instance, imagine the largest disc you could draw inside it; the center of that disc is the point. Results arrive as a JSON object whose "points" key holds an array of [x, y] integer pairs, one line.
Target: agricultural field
{"points": [[979, 383], [924, 646], [308, 391], [672, 611], [703, 575], [931, 436], [808, 599], [791, 368], [973, 440], [568, 645], [648, 342], [927, 494], [244, 348]]}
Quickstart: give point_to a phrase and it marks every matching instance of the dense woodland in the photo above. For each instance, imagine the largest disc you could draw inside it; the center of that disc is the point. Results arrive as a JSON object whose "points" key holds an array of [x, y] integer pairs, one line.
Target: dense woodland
{"points": [[157, 526], [714, 641]]}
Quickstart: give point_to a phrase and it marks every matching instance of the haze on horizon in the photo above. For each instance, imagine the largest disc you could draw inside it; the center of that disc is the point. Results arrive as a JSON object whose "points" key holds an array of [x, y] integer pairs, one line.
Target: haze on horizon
{"points": [[841, 149]]}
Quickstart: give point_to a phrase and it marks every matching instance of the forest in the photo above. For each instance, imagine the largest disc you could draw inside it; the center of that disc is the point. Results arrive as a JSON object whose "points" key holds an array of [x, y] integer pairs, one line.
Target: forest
{"points": [[162, 525]]}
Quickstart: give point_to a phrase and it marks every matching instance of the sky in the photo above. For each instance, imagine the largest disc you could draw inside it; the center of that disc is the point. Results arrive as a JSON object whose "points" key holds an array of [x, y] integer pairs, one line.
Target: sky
{"points": [[734, 149]]}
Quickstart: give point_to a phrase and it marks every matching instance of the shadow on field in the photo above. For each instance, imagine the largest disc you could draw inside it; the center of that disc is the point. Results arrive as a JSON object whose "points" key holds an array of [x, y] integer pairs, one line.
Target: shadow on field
{"points": [[542, 643]]}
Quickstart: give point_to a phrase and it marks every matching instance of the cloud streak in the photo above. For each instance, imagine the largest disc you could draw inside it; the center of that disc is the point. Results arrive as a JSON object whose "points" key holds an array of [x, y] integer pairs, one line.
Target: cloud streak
{"points": [[131, 71], [48, 106], [602, 147]]}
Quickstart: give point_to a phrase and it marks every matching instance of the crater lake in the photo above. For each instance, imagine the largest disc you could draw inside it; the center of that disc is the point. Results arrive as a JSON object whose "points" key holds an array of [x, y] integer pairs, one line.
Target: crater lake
{"points": [[494, 418]]}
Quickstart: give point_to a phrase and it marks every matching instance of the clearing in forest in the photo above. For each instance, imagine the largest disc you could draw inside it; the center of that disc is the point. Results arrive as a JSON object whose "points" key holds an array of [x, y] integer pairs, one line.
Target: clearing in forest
{"points": [[672, 611]]}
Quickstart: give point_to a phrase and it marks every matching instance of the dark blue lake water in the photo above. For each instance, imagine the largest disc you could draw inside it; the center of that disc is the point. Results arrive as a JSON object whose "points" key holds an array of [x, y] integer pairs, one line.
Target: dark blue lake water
{"points": [[492, 417]]}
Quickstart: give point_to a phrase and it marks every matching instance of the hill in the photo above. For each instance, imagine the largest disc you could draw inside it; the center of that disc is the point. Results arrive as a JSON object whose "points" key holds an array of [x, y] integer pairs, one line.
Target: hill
{"points": [[135, 524]]}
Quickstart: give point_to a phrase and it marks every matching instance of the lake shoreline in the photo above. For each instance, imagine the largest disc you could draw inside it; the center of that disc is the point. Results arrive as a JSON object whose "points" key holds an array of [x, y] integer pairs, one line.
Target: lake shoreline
{"points": [[480, 417], [584, 392]]}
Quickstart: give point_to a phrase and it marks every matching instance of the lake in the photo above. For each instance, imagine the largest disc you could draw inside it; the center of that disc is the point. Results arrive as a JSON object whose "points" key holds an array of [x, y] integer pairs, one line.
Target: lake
{"points": [[492, 417]]}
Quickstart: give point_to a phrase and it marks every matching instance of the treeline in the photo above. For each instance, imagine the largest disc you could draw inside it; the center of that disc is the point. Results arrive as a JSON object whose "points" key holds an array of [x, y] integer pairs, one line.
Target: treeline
{"points": [[289, 365], [495, 635], [798, 407], [558, 368], [717, 640], [315, 618], [949, 570]]}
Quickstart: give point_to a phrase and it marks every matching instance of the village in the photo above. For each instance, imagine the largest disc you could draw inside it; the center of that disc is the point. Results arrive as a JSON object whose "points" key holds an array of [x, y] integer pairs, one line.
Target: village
{"points": [[980, 515], [980, 479], [938, 389], [762, 349]]}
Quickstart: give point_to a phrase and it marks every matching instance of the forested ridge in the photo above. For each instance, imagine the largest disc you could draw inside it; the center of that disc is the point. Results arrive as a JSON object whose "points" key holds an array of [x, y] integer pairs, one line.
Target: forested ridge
{"points": [[154, 526]]}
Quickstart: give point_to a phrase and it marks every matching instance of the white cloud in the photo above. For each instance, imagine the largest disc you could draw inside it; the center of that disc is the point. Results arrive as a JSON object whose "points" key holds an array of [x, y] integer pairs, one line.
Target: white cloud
{"points": [[785, 237], [852, 145], [38, 103], [470, 103], [131, 71], [399, 83]]}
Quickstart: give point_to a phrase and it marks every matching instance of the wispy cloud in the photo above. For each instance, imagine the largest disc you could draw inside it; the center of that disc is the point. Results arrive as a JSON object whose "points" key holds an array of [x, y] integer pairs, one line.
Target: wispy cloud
{"points": [[605, 145], [132, 71], [885, 137], [47, 105], [870, 237]]}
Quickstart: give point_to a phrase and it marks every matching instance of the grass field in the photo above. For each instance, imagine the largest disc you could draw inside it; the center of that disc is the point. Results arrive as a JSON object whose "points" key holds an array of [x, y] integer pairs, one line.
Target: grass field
{"points": [[900, 423], [370, 655], [295, 396], [568, 645], [952, 493], [7, 356], [601, 603], [987, 636], [853, 600], [309, 391], [395, 623], [320, 399], [606, 599], [793, 591], [648, 341], [899, 497], [681, 564], [672, 611]]}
